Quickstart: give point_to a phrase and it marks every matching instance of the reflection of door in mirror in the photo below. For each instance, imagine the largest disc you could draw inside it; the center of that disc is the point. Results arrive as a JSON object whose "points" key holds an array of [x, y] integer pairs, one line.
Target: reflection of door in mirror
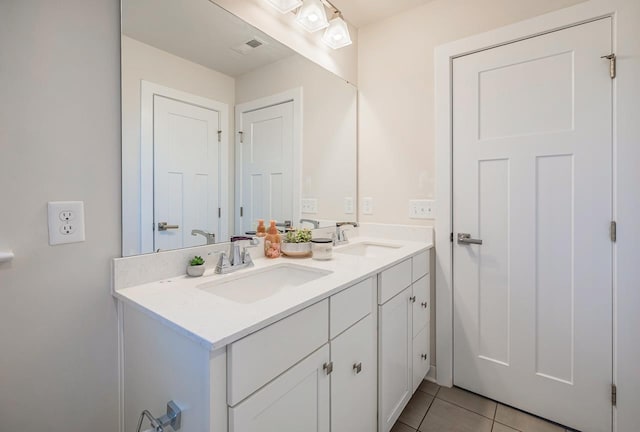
{"points": [[186, 167], [182, 189], [265, 161]]}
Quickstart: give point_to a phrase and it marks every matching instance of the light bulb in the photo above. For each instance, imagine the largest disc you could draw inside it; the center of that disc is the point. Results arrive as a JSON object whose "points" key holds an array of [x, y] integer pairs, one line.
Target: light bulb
{"points": [[312, 15]]}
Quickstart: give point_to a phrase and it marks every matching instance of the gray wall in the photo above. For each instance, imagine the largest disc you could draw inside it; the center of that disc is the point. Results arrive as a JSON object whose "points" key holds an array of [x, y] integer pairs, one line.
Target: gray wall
{"points": [[59, 140]]}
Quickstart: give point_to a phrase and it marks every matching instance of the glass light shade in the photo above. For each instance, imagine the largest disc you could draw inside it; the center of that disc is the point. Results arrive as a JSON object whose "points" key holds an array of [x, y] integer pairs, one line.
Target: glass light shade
{"points": [[285, 6], [337, 34], [312, 15]]}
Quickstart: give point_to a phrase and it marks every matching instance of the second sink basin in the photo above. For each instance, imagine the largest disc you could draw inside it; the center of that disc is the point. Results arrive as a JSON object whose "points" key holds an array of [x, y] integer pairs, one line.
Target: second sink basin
{"points": [[259, 284], [367, 249]]}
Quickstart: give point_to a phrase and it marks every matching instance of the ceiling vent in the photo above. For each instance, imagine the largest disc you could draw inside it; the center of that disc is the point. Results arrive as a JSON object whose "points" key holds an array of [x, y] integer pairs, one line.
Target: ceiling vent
{"points": [[249, 46]]}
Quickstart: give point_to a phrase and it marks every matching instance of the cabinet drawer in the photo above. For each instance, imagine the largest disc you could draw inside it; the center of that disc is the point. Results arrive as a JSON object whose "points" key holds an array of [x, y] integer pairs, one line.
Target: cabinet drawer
{"points": [[350, 306], [421, 306], [420, 265], [421, 364], [394, 280], [258, 358]]}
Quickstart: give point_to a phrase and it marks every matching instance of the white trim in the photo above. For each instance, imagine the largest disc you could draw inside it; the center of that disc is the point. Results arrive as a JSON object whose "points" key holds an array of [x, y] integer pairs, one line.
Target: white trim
{"points": [[147, 91], [443, 56], [294, 95]]}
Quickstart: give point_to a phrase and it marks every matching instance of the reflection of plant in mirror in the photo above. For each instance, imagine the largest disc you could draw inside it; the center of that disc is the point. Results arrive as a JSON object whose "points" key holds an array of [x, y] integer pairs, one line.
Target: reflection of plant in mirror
{"points": [[298, 236], [196, 261]]}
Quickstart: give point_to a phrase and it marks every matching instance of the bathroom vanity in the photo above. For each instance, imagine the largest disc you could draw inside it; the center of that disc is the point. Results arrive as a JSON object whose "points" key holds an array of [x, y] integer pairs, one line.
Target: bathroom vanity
{"points": [[287, 345]]}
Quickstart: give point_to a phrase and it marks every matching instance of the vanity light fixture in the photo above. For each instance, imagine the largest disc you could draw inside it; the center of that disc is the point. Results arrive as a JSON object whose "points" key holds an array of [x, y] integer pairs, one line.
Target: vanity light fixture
{"points": [[285, 6], [312, 16], [337, 34]]}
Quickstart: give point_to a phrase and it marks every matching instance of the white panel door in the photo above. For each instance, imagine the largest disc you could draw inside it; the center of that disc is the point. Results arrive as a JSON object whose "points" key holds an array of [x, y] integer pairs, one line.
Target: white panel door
{"points": [[353, 380], [298, 400], [266, 165], [186, 172], [532, 179]]}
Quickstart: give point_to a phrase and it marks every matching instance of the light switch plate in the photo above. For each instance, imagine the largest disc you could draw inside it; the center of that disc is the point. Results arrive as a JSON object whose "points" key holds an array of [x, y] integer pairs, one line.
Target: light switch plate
{"points": [[421, 209], [309, 206], [66, 222], [367, 205], [348, 205]]}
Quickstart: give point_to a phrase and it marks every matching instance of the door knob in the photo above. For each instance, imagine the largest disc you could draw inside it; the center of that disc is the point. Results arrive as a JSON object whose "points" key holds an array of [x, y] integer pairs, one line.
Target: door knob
{"points": [[464, 238], [163, 226]]}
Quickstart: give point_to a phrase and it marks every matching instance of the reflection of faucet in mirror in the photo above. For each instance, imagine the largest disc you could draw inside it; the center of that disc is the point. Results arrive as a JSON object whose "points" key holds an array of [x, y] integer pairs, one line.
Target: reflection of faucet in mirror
{"points": [[315, 223], [284, 226], [340, 236], [236, 260], [211, 237]]}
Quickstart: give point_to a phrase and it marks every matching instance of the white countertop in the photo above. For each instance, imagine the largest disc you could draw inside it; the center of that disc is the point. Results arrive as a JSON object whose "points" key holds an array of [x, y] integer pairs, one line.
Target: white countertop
{"points": [[215, 321]]}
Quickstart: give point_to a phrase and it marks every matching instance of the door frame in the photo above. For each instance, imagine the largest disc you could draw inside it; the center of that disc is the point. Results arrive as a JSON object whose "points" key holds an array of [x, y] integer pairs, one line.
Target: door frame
{"points": [[147, 92], [295, 96], [626, 202]]}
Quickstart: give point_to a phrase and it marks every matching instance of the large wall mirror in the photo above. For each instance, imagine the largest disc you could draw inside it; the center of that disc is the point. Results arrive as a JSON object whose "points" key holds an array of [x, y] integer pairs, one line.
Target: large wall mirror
{"points": [[222, 125]]}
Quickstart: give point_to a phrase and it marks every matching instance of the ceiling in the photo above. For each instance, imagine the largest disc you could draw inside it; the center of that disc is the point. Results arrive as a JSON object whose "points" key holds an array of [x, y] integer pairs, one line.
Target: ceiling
{"points": [[363, 12], [201, 32]]}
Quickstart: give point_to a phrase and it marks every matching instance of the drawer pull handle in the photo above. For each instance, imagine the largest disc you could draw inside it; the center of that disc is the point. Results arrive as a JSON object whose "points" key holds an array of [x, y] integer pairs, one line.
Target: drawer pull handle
{"points": [[328, 367], [424, 356], [357, 367], [424, 304], [412, 299]]}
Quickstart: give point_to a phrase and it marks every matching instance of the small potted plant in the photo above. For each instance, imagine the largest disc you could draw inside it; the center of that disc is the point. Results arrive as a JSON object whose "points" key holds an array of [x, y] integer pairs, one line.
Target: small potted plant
{"points": [[196, 266], [297, 243]]}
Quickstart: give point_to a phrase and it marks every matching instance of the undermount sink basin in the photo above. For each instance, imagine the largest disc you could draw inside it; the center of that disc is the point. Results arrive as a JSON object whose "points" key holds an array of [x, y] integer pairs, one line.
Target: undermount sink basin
{"points": [[260, 284], [367, 249]]}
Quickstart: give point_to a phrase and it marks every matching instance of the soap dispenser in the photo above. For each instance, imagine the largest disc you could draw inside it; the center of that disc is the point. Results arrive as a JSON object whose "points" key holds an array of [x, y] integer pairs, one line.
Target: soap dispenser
{"points": [[261, 231], [272, 241]]}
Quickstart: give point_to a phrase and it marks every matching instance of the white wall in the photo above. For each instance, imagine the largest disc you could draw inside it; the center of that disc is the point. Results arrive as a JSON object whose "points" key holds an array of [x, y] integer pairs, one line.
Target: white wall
{"points": [[144, 62], [282, 27], [329, 128], [59, 140], [396, 102]]}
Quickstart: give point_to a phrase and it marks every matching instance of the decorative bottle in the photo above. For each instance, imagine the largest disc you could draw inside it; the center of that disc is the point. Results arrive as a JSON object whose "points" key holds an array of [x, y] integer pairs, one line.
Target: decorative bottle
{"points": [[272, 241]]}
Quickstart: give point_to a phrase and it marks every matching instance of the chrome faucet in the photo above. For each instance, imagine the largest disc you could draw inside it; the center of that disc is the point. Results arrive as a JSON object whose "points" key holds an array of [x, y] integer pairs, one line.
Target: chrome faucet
{"points": [[340, 236], [211, 237], [315, 223], [236, 259]]}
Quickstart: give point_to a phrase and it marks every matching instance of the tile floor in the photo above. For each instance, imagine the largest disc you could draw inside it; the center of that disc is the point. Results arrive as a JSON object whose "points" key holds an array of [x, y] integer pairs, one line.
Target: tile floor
{"points": [[439, 409]]}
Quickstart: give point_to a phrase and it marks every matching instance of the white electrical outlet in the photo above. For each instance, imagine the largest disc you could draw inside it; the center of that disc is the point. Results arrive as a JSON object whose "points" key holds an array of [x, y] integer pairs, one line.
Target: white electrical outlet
{"points": [[309, 206], [421, 209], [367, 205], [66, 222], [348, 205]]}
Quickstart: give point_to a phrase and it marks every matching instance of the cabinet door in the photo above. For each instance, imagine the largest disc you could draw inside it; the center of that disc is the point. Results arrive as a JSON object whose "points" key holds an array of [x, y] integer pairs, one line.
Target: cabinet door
{"points": [[353, 381], [421, 305], [421, 357], [297, 400], [394, 346]]}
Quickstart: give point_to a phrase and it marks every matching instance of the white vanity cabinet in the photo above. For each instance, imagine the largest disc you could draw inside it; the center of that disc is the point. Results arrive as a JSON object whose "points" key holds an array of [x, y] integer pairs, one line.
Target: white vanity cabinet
{"points": [[403, 335], [313, 371]]}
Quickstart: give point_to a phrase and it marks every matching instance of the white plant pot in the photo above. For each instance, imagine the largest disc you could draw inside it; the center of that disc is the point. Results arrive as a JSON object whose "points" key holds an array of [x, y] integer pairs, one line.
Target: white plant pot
{"points": [[296, 249], [195, 271]]}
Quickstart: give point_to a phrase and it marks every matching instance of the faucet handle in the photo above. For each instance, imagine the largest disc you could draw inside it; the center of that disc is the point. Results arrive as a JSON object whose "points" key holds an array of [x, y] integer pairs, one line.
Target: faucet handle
{"points": [[223, 262]]}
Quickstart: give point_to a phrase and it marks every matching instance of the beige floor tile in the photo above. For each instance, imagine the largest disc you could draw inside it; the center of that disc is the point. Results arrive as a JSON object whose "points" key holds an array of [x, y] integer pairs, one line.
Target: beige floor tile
{"points": [[446, 417], [498, 427], [416, 409], [400, 427], [429, 387], [470, 401], [523, 421]]}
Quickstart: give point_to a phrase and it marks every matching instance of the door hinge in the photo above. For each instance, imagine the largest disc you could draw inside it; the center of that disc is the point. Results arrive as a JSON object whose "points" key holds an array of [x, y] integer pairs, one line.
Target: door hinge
{"points": [[219, 136], [612, 64], [153, 226], [614, 395], [328, 367], [241, 137], [613, 231], [219, 212], [451, 237], [241, 211]]}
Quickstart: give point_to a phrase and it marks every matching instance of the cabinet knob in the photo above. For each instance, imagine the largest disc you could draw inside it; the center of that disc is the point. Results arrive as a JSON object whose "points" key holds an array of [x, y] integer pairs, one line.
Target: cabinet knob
{"points": [[357, 367], [424, 304], [412, 299], [424, 356], [328, 367]]}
